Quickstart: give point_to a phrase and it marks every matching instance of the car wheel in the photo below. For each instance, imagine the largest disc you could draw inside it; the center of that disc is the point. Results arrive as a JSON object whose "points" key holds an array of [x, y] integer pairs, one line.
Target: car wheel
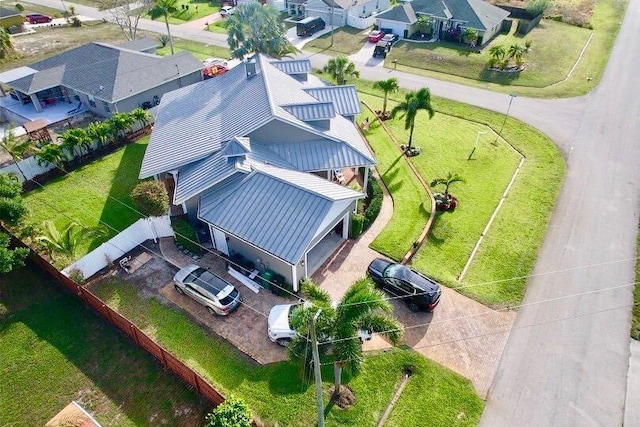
{"points": [[179, 289], [283, 342], [413, 306], [211, 311]]}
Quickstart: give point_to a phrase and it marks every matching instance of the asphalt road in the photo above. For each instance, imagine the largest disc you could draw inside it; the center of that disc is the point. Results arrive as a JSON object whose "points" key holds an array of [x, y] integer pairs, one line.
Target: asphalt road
{"points": [[567, 357]]}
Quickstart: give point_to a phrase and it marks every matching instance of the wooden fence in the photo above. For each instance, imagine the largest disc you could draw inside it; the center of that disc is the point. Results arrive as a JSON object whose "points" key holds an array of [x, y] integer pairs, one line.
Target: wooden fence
{"points": [[140, 338]]}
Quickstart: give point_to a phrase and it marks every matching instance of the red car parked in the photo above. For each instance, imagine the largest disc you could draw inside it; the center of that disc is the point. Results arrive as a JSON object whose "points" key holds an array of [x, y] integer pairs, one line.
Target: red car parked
{"points": [[37, 18], [375, 36]]}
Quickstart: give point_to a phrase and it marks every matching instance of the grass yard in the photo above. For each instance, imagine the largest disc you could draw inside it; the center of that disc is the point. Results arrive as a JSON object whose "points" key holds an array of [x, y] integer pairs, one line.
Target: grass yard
{"points": [[546, 65], [511, 247], [346, 40], [182, 15], [95, 193], [635, 319], [276, 393], [199, 50], [56, 350]]}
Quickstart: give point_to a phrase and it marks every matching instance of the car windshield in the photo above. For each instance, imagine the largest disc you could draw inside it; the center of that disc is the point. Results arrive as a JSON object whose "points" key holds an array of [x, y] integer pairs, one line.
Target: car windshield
{"points": [[397, 271], [229, 298], [207, 280]]}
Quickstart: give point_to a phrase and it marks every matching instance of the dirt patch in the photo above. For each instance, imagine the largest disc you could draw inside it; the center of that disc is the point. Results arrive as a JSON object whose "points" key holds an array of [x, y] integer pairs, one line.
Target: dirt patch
{"points": [[345, 398]]}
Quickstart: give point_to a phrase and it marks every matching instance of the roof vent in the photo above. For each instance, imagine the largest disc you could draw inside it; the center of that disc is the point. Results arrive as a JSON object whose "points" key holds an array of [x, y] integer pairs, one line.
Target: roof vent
{"points": [[250, 68]]}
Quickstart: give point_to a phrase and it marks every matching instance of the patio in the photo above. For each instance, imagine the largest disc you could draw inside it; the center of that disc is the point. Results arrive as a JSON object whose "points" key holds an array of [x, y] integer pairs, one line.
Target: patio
{"points": [[16, 112]]}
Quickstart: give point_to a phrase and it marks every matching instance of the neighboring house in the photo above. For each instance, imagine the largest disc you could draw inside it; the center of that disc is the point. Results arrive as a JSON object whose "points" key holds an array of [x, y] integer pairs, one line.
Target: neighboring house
{"points": [[446, 15], [10, 18], [354, 13], [251, 155], [98, 77]]}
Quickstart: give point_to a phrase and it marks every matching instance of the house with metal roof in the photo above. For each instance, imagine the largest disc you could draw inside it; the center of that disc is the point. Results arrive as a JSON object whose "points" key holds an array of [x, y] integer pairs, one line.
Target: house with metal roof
{"points": [[354, 13], [251, 156], [97, 77], [446, 16]]}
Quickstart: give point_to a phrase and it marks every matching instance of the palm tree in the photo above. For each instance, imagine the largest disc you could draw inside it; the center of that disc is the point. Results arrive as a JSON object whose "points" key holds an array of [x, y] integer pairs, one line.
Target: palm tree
{"points": [[361, 308], [340, 68], [389, 85], [257, 28], [5, 43], [67, 241], [516, 51], [141, 116], [165, 8], [447, 181], [15, 147], [75, 138], [413, 102], [99, 132], [120, 122], [52, 154], [497, 52]]}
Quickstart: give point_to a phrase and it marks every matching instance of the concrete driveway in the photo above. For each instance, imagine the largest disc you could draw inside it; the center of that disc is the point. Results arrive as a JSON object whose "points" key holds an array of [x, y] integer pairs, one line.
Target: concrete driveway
{"points": [[299, 42], [365, 56]]}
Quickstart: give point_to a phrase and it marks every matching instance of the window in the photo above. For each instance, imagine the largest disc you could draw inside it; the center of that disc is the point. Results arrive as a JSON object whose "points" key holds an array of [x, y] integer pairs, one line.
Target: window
{"points": [[92, 100], [105, 104]]}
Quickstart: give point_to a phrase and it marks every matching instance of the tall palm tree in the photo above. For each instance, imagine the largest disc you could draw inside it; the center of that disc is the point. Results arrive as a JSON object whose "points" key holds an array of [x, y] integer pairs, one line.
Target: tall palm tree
{"points": [[68, 240], [165, 8], [340, 69], [389, 85], [99, 132], [5, 43], [75, 139], [16, 148], [413, 102], [361, 308], [52, 154], [451, 178]]}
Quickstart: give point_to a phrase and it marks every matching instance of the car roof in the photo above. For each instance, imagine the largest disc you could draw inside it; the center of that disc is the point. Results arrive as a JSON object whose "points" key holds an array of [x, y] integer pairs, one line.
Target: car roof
{"points": [[209, 281]]}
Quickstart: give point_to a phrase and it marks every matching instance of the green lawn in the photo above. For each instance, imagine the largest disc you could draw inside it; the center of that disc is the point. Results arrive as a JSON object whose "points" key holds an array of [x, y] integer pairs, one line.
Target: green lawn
{"points": [[546, 65], [635, 320], [276, 393], [55, 350], [346, 40], [511, 247], [182, 15], [95, 193], [199, 50]]}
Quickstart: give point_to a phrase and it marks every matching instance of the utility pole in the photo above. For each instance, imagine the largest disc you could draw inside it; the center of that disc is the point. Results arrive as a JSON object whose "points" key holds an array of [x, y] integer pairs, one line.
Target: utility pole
{"points": [[316, 368], [511, 96], [331, 21]]}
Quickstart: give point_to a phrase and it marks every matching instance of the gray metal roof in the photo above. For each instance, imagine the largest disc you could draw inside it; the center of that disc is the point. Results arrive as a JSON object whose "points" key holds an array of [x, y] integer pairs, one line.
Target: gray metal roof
{"points": [[312, 111], [109, 73], [140, 45], [194, 122], [297, 66], [289, 207], [198, 176], [318, 155], [344, 98], [238, 146]]}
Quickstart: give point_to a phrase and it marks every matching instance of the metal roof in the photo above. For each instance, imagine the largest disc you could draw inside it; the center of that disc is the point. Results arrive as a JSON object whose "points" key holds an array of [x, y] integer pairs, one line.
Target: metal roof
{"points": [[279, 211], [344, 98], [318, 155], [312, 111], [109, 73], [198, 176], [238, 146], [194, 122], [298, 66]]}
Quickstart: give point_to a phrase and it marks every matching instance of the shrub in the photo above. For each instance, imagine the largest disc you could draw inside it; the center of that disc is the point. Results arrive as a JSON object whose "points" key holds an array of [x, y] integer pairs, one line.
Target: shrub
{"points": [[374, 194], [75, 22], [232, 413], [20, 7], [76, 275], [186, 235], [357, 223], [164, 39], [150, 198], [538, 7]]}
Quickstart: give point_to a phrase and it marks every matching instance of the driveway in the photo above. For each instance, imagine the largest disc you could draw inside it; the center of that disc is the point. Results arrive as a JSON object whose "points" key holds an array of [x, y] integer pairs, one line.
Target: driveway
{"points": [[299, 42], [365, 56]]}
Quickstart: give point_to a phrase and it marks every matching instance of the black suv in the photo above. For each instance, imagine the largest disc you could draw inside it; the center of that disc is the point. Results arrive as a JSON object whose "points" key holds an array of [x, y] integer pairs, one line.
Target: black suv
{"points": [[416, 290], [381, 49]]}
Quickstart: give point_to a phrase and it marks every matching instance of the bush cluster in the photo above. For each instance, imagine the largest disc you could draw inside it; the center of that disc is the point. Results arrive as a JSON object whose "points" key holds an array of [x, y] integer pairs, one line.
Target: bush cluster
{"points": [[151, 198], [374, 194]]}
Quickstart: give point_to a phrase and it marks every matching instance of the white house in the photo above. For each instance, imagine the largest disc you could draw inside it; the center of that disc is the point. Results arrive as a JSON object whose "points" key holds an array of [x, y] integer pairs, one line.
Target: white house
{"points": [[354, 13]]}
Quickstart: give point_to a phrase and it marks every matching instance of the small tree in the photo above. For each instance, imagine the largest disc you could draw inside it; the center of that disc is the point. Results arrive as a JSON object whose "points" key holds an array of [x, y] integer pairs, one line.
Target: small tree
{"points": [[141, 115], [389, 85], [151, 198], [164, 8], [233, 412], [12, 208], [51, 154], [10, 258], [516, 52], [99, 132], [75, 139], [447, 182], [120, 122], [6, 46], [340, 69], [67, 241], [424, 24], [538, 7], [15, 147], [413, 102], [470, 35], [497, 52]]}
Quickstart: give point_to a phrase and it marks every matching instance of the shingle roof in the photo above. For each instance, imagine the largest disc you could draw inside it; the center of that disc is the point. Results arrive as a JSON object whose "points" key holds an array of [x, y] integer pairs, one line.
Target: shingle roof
{"points": [[478, 14], [140, 45], [289, 208], [195, 121], [401, 13], [110, 73], [344, 98], [6, 12]]}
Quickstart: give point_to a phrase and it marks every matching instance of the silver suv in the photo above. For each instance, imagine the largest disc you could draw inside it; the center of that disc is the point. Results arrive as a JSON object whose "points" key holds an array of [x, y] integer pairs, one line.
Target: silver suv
{"points": [[217, 295]]}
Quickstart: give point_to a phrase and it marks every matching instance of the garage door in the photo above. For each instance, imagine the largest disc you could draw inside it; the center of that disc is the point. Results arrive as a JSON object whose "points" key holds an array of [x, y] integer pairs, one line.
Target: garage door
{"points": [[395, 26], [326, 17]]}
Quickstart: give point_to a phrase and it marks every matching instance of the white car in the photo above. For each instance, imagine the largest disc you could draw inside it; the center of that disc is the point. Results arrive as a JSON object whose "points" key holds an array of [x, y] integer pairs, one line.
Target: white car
{"points": [[217, 295], [279, 325], [227, 10]]}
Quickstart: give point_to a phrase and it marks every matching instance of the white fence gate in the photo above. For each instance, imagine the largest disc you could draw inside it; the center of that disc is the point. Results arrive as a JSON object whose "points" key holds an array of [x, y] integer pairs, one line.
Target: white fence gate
{"points": [[141, 230]]}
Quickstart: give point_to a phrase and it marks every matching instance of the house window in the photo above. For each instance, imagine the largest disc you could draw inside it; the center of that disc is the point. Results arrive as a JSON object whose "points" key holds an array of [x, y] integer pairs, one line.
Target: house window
{"points": [[105, 104]]}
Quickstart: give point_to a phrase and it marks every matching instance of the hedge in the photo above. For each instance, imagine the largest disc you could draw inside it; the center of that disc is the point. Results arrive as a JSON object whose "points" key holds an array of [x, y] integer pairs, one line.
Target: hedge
{"points": [[374, 194], [186, 235]]}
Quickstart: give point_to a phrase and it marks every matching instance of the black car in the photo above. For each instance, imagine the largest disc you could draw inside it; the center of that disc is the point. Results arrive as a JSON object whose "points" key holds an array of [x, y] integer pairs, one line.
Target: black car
{"points": [[417, 291], [390, 38], [382, 49]]}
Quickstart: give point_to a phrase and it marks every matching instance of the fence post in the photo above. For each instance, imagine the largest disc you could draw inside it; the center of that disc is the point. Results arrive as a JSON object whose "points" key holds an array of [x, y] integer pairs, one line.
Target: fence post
{"points": [[108, 311], [195, 382]]}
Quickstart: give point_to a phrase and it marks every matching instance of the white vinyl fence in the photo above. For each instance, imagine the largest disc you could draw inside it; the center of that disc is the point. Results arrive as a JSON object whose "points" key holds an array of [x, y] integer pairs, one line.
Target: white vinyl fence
{"points": [[141, 230], [27, 167]]}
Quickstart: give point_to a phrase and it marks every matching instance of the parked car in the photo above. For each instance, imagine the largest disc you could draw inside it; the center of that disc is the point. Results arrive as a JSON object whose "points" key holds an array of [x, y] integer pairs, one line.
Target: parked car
{"points": [[390, 38], [309, 25], [382, 49], [216, 294], [37, 18], [227, 10], [375, 36], [280, 330], [417, 291]]}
